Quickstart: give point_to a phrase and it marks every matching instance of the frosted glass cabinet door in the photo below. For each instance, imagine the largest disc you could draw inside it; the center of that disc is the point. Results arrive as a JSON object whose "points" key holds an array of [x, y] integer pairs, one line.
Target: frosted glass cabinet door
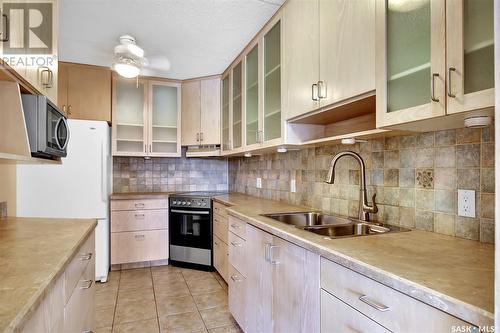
{"points": [[410, 60], [252, 96], [272, 83], [470, 36], [164, 119], [226, 145], [129, 118], [237, 106]]}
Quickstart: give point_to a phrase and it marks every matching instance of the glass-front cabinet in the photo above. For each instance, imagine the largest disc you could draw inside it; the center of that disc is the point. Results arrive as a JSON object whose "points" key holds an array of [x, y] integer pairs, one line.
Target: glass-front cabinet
{"points": [[146, 115], [410, 60], [470, 54], [436, 58], [226, 144], [237, 100], [252, 121]]}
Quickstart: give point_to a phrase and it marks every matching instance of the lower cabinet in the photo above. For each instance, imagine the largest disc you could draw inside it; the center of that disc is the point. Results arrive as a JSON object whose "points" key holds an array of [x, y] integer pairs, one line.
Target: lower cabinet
{"points": [[221, 257], [69, 304], [280, 285], [220, 242]]}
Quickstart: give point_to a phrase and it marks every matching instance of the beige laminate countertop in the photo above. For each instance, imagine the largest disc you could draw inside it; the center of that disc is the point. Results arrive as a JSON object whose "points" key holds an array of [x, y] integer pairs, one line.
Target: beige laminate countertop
{"points": [[140, 195], [33, 254], [449, 273]]}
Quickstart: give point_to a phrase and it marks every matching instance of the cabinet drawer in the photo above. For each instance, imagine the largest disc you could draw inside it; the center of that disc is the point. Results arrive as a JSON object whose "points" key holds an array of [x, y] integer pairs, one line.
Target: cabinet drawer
{"points": [[237, 251], [139, 204], [79, 311], [237, 226], [220, 257], [136, 246], [84, 256], [388, 307], [220, 209], [237, 296], [127, 220], [338, 317], [220, 227]]}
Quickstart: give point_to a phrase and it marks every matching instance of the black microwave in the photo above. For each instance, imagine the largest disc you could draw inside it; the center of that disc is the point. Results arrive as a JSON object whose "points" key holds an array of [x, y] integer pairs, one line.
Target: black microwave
{"points": [[47, 127]]}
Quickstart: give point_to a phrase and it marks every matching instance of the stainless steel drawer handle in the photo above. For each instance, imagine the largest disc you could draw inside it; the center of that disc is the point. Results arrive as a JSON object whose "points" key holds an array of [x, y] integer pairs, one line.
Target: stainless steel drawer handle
{"points": [[88, 331], [271, 254], [451, 69], [380, 307], [86, 284], [433, 83], [140, 216], [137, 205], [5, 34], [235, 278], [235, 244], [139, 237], [86, 256], [235, 226]]}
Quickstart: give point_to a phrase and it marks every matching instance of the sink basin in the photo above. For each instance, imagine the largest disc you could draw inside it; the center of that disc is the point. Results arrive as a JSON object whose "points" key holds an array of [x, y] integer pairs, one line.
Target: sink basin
{"points": [[304, 219], [332, 226]]}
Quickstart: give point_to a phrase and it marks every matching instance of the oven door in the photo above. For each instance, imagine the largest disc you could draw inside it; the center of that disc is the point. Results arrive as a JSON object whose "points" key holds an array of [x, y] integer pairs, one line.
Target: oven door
{"points": [[190, 228]]}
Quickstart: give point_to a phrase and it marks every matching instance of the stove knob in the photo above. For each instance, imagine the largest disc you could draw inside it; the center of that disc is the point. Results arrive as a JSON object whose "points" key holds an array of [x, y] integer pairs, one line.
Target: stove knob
{"points": [[174, 202], [189, 203], [203, 203], [199, 203], [184, 203]]}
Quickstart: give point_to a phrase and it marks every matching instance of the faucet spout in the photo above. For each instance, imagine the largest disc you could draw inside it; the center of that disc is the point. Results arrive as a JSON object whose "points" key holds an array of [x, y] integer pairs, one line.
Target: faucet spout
{"points": [[364, 208]]}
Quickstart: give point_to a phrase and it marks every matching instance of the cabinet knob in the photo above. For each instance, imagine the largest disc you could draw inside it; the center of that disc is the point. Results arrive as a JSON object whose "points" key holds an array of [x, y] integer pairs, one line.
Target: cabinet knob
{"points": [[69, 109]]}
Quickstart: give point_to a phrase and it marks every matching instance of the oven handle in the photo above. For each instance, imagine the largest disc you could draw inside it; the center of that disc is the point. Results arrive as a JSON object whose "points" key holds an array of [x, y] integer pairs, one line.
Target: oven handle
{"points": [[194, 212]]}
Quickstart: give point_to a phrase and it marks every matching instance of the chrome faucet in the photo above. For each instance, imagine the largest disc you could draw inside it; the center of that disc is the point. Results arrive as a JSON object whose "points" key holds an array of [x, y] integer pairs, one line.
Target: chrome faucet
{"points": [[364, 208]]}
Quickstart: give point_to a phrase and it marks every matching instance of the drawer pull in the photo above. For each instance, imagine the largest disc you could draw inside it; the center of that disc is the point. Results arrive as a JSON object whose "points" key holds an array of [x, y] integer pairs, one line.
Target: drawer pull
{"points": [[216, 243], [235, 226], [86, 284], [235, 244], [87, 331], [139, 237], [235, 278], [140, 216], [140, 204], [365, 299], [86, 256]]}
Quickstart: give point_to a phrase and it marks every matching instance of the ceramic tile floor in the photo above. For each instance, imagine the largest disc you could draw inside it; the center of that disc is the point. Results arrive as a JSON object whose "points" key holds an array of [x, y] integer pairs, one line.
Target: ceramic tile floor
{"points": [[163, 299]]}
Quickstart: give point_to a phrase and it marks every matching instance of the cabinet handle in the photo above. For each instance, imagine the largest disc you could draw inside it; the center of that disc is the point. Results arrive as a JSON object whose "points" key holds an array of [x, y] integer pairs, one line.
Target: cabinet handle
{"points": [[235, 278], [235, 244], [150, 148], [140, 216], [69, 109], [86, 284], [380, 307], [271, 254], [216, 243], [197, 137], [50, 77], [235, 226], [201, 136], [139, 237], [314, 92], [64, 109], [321, 89], [145, 148], [433, 83], [87, 331], [140, 204], [86, 256], [7, 29], [451, 69]]}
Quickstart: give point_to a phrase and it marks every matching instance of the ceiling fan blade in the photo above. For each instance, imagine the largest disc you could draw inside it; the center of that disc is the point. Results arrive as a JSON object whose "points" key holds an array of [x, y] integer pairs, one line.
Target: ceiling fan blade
{"points": [[158, 63]]}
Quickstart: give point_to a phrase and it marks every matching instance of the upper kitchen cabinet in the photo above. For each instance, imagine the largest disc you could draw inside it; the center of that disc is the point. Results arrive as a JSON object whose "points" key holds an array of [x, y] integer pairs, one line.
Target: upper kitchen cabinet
{"points": [[85, 91], [470, 55], [252, 101], [237, 106], [201, 112], [410, 60], [329, 53], [434, 58], [146, 115], [225, 110]]}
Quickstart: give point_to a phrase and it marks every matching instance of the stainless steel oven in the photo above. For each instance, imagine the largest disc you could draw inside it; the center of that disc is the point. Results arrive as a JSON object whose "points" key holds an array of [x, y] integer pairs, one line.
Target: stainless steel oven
{"points": [[48, 131], [190, 231]]}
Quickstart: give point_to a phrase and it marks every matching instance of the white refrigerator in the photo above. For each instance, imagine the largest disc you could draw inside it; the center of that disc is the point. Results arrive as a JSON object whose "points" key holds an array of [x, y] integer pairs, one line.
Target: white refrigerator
{"points": [[77, 188]]}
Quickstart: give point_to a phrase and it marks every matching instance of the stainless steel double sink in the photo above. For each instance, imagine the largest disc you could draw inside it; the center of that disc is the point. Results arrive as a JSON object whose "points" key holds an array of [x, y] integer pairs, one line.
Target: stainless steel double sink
{"points": [[332, 226]]}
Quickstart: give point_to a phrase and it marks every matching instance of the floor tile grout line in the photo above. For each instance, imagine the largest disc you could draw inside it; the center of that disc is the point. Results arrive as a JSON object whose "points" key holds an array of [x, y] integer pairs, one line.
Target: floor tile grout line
{"points": [[154, 298], [116, 300], [196, 305]]}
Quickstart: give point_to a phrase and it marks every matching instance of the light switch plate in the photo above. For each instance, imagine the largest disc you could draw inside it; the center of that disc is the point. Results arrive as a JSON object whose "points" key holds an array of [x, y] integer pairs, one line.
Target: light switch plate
{"points": [[467, 203], [259, 183], [293, 186]]}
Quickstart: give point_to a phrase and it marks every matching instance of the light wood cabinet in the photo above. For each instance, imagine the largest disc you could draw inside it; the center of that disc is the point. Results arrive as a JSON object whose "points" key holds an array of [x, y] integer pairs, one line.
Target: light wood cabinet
{"points": [[281, 282], [139, 231], [237, 296], [329, 53], [201, 112], [146, 118], [221, 235], [221, 257], [85, 91], [433, 58]]}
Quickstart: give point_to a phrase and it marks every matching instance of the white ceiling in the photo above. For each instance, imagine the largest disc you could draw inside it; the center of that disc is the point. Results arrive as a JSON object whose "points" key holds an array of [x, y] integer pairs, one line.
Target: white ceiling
{"points": [[199, 37]]}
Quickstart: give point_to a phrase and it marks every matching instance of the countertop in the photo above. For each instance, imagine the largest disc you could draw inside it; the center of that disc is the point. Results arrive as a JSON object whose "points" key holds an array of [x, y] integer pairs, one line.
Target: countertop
{"points": [[140, 195], [449, 273], [33, 254]]}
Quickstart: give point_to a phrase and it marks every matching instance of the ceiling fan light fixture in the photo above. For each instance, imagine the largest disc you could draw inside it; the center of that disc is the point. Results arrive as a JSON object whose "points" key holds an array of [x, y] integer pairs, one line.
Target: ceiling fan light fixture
{"points": [[127, 69]]}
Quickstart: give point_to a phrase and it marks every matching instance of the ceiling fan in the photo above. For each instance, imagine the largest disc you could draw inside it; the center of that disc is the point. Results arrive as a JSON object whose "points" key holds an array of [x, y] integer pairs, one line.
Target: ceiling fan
{"points": [[129, 59]]}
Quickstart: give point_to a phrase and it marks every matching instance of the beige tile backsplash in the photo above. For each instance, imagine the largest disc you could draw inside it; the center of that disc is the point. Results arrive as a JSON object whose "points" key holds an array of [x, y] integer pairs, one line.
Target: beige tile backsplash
{"points": [[415, 177]]}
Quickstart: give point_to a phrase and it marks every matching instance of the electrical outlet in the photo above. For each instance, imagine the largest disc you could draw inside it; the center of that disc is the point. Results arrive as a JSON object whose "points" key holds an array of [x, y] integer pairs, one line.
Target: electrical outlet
{"points": [[467, 203], [293, 186], [259, 183]]}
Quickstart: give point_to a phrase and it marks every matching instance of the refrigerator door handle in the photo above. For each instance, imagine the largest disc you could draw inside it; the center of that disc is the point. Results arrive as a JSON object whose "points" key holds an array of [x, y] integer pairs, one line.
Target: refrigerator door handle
{"points": [[103, 173]]}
